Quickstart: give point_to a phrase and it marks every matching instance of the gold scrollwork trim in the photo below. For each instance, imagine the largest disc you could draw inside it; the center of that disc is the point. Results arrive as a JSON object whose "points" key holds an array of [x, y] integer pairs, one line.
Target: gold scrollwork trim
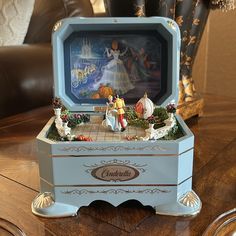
{"points": [[171, 24], [111, 148], [114, 191]]}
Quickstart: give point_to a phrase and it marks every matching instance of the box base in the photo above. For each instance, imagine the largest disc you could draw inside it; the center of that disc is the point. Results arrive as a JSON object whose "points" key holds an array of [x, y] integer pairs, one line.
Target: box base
{"points": [[188, 204]]}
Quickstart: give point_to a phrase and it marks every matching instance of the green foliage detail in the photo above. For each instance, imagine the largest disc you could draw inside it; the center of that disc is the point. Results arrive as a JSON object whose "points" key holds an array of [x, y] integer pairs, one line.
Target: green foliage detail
{"points": [[133, 119], [175, 133], [161, 113], [74, 119], [53, 134]]}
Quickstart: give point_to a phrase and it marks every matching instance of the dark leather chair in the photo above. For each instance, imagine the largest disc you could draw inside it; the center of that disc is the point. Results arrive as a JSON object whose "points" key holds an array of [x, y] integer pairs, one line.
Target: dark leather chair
{"points": [[26, 77]]}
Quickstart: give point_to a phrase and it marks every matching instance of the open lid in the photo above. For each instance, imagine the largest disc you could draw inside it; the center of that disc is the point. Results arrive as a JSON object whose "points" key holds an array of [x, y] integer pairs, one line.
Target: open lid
{"points": [[97, 57]]}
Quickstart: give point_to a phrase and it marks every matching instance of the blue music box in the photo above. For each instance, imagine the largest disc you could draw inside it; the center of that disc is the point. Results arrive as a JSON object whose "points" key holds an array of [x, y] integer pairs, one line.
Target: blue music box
{"points": [[118, 137]]}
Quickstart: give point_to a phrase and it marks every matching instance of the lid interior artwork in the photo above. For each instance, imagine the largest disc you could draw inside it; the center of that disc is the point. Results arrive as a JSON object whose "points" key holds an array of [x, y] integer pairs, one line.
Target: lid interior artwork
{"points": [[97, 58]]}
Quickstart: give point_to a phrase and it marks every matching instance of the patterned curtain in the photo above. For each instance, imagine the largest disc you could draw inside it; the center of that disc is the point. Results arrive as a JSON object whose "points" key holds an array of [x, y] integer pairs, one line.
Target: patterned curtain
{"points": [[191, 17], [161, 8], [122, 8], [196, 28]]}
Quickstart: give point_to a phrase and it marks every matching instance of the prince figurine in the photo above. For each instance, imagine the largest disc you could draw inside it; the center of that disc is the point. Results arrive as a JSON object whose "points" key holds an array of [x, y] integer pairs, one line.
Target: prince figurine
{"points": [[119, 105]]}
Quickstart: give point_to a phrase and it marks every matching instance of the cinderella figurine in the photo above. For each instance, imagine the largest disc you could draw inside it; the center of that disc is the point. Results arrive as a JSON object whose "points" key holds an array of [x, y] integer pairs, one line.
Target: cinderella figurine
{"points": [[113, 119], [114, 72]]}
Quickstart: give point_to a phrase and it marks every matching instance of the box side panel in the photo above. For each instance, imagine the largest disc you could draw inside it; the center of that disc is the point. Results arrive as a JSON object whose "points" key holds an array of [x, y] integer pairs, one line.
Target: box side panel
{"points": [[45, 166], [43, 146], [46, 187], [186, 144], [185, 187], [187, 141], [44, 152], [42, 136], [185, 166]]}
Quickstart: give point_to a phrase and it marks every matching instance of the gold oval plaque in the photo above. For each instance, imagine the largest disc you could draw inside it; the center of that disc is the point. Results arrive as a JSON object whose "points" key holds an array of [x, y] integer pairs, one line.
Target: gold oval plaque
{"points": [[115, 173]]}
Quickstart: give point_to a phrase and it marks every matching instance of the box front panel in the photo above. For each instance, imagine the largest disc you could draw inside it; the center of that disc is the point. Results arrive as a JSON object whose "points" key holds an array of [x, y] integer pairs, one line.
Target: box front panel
{"points": [[121, 170]]}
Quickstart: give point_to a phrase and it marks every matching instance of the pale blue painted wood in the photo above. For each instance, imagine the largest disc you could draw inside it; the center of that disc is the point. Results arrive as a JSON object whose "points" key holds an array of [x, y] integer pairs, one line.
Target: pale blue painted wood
{"points": [[185, 165], [114, 148], [184, 187], [46, 167], [187, 141], [154, 196], [46, 187], [147, 195], [151, 169]]}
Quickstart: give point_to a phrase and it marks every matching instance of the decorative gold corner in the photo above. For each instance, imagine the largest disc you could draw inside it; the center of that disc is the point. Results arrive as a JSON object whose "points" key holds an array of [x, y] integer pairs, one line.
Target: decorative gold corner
{"points": [[43, 200], [190, 199], [171, 24], [57, 26]]}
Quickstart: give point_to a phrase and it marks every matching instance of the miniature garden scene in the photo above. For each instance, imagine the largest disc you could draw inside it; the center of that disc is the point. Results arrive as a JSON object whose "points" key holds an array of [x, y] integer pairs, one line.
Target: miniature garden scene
{"points": [[141, 122]]}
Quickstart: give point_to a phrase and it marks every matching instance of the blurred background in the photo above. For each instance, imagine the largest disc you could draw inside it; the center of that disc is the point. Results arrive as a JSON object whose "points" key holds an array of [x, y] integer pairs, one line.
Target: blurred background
{"points": [[214, 69]]}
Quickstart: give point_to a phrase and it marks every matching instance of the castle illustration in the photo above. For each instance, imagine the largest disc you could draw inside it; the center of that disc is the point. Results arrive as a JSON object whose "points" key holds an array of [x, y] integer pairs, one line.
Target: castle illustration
{"points": [[86, 49]]}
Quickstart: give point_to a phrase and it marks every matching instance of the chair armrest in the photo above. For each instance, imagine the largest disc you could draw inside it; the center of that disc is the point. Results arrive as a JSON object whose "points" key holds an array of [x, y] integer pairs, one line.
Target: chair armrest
{"points": [[26, 78]]}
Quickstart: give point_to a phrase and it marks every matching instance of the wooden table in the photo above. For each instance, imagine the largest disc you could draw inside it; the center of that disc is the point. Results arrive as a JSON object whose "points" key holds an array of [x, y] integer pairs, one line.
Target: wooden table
{"points": [[214, 180]]}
